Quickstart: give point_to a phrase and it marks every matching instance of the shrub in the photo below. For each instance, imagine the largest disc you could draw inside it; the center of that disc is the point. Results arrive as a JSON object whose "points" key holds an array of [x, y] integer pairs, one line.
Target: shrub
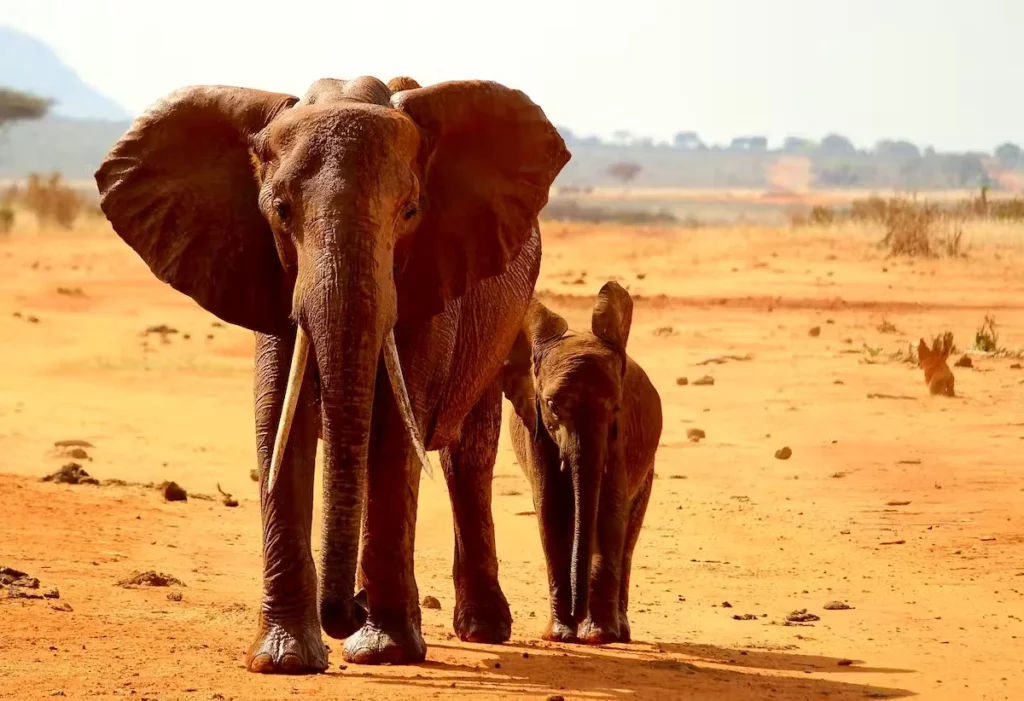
{"points": [[51, 201]]}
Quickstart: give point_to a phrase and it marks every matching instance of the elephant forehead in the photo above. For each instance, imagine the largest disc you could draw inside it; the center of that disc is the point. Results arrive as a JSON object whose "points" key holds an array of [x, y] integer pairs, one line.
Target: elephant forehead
{"points": [[353, 128], [581, 365]]}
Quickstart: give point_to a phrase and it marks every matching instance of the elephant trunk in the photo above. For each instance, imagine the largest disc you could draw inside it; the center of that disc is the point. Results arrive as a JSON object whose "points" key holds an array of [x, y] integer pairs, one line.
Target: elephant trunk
{"points": [[347, 326], [586, 468]]}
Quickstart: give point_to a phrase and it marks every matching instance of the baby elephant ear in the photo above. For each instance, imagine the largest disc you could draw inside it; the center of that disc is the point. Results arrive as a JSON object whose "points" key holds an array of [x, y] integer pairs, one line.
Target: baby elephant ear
{"points": [[543, 326], [613, 315]]}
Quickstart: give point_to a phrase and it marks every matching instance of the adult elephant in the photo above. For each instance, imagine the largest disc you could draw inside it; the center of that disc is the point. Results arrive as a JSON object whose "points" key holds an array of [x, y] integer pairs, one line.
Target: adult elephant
{"points": [[373, 232]]}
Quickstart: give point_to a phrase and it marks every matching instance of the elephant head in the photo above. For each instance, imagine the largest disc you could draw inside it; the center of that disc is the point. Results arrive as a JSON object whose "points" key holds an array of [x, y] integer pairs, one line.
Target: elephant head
{"points": [[333, 217], [566, 387]]}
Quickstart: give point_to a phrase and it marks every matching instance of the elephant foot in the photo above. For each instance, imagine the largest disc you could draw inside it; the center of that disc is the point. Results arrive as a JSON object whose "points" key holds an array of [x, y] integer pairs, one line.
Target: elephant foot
{"points": [[625, 635], [287, 649], [593, 633], [559, 632], [373, 644], [485, 619], [340, 619]]}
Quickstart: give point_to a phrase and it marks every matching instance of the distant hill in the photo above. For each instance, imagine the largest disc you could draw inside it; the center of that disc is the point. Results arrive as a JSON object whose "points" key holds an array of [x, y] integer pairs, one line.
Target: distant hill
{"points": [[84, 124], [28, 64]]}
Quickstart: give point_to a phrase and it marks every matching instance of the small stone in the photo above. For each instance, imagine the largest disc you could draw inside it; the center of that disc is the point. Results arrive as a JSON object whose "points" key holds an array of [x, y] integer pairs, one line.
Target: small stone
{"points": [[1015, 366], [744, 617], [682, 381], [173, 492], [814, 331], [726, 605], [556, 697], [63, 606], [801, 616], [71, 473], [695, 435], [844, 663], [51, 594], [430, 602], [704, 381], [783, 453], [964, 362], [174, 596], [254, 475], [837, 606]]}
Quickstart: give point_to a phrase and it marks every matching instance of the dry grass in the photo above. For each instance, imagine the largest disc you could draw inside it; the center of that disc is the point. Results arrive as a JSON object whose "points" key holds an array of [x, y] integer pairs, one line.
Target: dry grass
{"points": [[50, 199]]}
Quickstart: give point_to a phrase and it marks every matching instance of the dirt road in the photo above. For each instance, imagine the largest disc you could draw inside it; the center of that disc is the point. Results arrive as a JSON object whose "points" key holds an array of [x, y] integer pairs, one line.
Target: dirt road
{"points": [[908, 508]]}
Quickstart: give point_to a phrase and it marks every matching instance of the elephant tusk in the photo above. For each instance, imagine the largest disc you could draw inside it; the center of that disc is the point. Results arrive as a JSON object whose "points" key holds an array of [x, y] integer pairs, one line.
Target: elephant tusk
{"points": [[291, 401], [394, 368]]}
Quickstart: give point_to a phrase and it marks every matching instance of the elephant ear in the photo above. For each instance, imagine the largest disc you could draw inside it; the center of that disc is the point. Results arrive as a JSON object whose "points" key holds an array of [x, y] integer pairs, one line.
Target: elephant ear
{"points": [[613, 315], [489, 158], [180, 189], [541, 327]]}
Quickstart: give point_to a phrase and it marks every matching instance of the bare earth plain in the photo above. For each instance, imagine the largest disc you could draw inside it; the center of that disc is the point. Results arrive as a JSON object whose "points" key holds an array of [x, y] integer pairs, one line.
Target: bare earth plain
{"points": [[906, 507]]}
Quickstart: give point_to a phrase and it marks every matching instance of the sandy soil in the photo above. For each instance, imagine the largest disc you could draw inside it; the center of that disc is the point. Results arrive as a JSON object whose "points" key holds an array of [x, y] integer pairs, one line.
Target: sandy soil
{"points": [[909, 508]]}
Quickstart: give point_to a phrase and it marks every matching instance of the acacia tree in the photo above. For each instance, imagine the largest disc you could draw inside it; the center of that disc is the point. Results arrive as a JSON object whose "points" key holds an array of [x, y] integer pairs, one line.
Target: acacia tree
{"points": [[16, 105]]}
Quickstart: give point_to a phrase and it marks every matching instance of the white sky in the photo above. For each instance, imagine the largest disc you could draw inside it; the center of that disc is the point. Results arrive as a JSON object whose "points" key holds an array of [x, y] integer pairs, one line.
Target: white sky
{"points": [[949, 73]]}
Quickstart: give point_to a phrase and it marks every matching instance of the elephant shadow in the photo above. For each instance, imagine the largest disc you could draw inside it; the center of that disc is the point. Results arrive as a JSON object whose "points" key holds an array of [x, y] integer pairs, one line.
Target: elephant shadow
{"points": [[657, 671]]}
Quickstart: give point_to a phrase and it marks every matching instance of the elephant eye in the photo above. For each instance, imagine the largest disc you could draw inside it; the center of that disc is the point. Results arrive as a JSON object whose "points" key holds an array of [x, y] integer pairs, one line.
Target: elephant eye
{"points": [[552, 409], [282, 209], [411, 211]]}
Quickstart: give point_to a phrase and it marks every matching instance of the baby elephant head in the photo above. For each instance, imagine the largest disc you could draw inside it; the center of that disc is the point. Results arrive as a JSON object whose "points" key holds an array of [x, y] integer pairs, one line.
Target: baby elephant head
{"points": [[566, 387], [933, 361]]}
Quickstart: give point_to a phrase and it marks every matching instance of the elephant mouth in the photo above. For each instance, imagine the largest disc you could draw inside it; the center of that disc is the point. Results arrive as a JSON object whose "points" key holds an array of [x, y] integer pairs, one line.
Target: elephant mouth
{"points": [[296, 373]]}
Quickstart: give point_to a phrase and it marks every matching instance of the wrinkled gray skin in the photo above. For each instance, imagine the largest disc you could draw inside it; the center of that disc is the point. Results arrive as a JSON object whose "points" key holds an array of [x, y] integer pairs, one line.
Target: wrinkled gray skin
{"points": [[585, 430], [382, 241]]}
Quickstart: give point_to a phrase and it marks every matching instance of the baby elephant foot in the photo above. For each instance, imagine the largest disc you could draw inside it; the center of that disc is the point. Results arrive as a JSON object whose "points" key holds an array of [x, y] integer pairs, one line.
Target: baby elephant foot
{"points": [[392, 645], [483, 619], [594, 633], [560, 632], [287, 649]]}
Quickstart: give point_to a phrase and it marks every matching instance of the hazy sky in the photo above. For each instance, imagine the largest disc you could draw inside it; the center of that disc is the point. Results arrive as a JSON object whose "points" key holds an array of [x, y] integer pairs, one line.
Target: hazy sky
{"points": [[949, 73]]}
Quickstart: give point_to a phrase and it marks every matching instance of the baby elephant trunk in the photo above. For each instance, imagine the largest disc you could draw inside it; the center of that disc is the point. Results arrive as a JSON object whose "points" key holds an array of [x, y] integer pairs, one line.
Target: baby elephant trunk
{"points": [[586, 468]]}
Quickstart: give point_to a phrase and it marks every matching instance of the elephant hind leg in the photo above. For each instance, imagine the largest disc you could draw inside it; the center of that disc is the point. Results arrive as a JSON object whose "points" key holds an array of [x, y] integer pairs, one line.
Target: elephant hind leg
{"points": [[482, 613], [636, 520], [288, 638]]}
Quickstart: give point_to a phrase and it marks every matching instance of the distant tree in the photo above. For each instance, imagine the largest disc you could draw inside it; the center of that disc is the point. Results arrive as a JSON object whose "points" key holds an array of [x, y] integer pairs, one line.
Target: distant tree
{"points": [[840, 176], [739, 143], [623, 137], [749, 143], [1009, 155], [16, 106], [687, 140], [644, 141], [968, 170], [837, 144], [899, 150], [626, 171], [794, 144]]}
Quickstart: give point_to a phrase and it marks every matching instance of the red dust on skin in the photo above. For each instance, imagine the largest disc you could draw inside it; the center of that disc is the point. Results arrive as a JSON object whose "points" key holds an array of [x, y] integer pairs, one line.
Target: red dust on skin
{"points": [[937, 374]]}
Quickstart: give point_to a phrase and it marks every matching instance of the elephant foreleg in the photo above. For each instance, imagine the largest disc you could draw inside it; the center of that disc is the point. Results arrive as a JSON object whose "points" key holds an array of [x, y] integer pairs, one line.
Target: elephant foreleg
{"points": [[636, 521], [288, 639], [602, 623], [481, 614], [392, 632]]}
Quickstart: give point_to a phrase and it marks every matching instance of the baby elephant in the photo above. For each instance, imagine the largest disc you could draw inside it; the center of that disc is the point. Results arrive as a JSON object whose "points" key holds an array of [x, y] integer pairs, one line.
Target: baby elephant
{"points": [[586, 426]]}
